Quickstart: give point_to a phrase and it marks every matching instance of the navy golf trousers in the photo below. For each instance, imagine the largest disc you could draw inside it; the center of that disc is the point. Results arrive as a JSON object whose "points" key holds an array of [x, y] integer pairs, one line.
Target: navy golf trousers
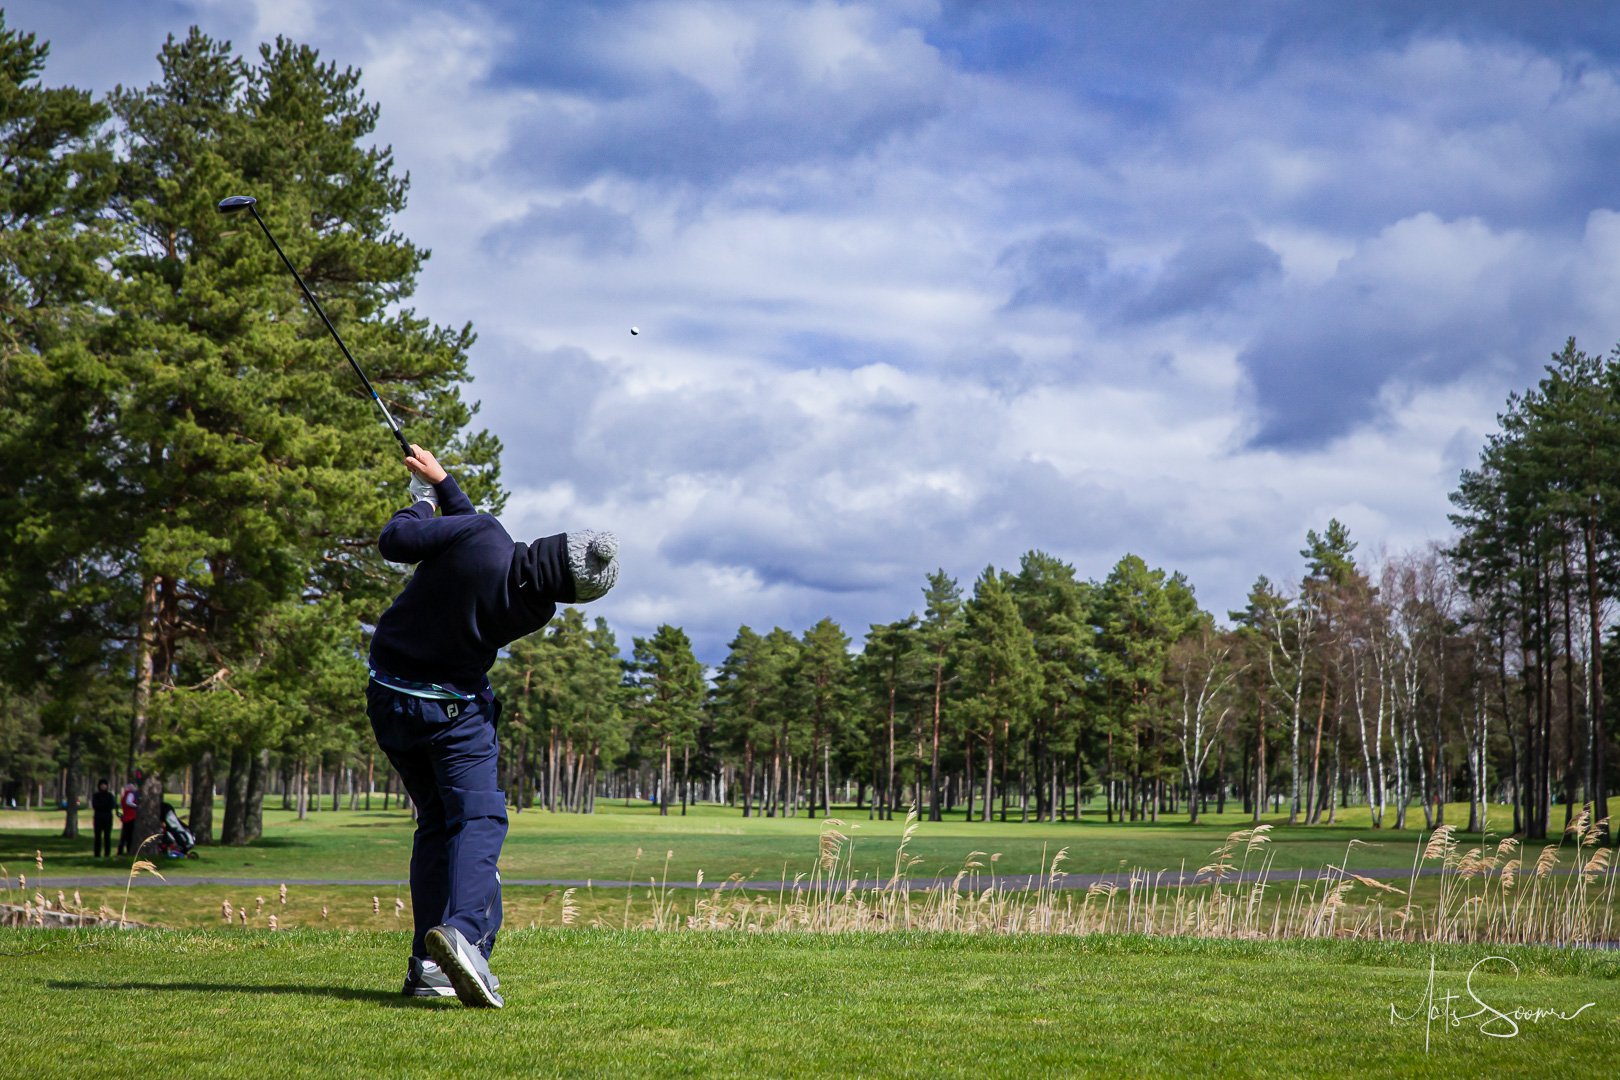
{"points": [[445, 752]]}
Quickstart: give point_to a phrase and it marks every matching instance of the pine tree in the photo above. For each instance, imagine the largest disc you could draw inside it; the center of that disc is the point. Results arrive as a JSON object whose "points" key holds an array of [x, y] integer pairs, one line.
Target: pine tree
{"points": [[56, 600], [670, 682], [941, 628], [523, 682], [740, 704], [1001, 678], [1253, 627], [1330, 571], [893, 673], [257, 470], [1056, 607], [825, 675], [1140, 613], [789, 725]]}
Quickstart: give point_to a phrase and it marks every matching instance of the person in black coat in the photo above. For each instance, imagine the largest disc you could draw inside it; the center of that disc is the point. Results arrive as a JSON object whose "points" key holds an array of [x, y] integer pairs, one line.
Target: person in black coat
{"points": [[475, 590], [102, 805]]}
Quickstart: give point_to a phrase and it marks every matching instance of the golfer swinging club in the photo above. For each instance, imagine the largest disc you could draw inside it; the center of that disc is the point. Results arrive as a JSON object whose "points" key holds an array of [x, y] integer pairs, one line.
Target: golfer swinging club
{"points": [[434, 714]]}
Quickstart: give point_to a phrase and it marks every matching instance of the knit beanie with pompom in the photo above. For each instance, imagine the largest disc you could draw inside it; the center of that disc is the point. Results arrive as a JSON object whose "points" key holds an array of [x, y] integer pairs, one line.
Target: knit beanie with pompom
{"points": [[593, 561]]}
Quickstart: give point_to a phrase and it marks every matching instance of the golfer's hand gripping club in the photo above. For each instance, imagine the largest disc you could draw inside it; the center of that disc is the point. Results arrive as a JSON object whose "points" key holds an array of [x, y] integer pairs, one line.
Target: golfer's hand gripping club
{"points": [[425, 473], [237, 203]]}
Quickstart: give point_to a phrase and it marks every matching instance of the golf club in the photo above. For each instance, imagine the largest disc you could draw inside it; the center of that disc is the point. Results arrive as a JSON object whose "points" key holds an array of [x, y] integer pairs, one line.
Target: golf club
{"points": [[238, 203]]}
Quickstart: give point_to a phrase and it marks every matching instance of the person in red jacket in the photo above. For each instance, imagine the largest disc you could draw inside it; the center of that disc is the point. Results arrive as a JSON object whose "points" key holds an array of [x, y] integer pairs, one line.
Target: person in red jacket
{"points": [[128, 803]]}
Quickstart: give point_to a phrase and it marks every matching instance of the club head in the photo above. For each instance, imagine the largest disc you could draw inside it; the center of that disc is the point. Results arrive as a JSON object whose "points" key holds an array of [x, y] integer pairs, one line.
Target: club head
{"points": [[236, 203]]}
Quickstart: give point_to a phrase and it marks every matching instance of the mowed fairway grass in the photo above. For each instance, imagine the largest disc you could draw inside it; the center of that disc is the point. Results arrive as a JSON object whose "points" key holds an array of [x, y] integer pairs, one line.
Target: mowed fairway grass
{"points": [[375, 845], [603, 1003]]}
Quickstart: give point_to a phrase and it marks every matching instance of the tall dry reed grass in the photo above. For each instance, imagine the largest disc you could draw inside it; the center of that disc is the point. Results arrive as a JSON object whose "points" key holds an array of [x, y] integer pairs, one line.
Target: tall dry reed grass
{"points": [[1451, 895]]}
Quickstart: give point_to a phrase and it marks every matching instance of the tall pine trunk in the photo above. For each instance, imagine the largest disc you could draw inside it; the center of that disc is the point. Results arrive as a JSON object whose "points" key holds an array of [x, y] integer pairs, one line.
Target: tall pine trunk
{"points": [[1312, 806], [234, 829], [147, 816], [70, 784], [202, 798], [253, 815], [1597, 737], [933, 766], [989, 768]]}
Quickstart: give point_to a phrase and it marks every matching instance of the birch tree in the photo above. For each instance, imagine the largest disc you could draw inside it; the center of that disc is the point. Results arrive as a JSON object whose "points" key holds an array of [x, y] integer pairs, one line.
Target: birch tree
{"points": [[1204, 667]]}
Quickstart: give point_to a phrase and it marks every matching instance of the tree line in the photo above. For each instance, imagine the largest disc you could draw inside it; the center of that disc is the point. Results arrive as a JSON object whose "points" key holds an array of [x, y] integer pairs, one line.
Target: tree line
{"points": [[1037, 693], [193, 485]]}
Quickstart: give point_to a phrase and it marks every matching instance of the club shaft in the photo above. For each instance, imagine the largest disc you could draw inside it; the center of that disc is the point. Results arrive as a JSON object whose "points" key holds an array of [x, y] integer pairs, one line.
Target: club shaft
{"points": [[388, 416]]}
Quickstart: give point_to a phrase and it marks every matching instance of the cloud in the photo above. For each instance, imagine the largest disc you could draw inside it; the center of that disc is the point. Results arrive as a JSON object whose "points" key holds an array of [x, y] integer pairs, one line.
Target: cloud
{"points": [[696, 93], [1425, 302], [590, 228], [1058, 269], [1210, 270], [930, 284]]}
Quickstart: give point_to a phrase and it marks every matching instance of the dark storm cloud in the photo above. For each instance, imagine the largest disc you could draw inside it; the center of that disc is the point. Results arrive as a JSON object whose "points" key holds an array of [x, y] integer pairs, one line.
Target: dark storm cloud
{"points": [[1072, 516], [1066, 271], [680, 132], [1423, 303], [1337, 123], [823, 548], [563, 414], [613, 104], [99, 43], [1086, 45], [590, 228], [1207, 272], [775, 559], [706, 432], [1058, 269], [538, 401]]}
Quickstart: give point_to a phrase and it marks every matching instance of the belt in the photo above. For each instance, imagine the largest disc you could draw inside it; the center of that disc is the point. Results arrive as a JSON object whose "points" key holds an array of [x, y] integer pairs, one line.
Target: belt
{"points": [[429, 690]]}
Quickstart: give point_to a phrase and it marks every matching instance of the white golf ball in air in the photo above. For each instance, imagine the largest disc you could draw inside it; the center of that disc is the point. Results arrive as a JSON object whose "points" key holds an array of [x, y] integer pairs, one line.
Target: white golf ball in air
{"points": [[634, 330]]}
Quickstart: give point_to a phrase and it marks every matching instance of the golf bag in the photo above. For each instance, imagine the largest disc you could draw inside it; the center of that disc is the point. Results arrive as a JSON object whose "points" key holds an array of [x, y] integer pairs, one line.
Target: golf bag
{"points": [[177, 841]]}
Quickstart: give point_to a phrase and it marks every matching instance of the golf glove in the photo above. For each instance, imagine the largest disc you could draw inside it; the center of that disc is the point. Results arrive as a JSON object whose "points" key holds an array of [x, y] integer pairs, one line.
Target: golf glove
{"points": [[593, 561], [421, 489]]}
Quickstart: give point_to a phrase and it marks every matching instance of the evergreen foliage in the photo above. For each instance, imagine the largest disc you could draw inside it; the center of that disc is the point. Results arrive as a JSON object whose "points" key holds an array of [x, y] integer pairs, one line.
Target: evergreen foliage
{"points": [[200, 482]]}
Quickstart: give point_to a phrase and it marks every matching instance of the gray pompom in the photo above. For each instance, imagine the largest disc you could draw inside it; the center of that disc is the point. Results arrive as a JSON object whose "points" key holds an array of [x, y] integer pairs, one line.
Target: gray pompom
{"points": [[593, 561]]}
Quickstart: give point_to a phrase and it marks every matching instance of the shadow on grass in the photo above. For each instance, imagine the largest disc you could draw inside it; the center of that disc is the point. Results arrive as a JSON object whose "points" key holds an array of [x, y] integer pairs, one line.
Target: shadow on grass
{"points": [[395, 824], [17, 849], [391, 998]]}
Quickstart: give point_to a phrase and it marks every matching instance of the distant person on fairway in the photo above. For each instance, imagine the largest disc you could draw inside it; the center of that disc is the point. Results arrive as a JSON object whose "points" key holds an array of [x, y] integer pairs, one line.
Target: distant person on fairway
{"points": [[102, 805], [474, 591], [128, 805]]}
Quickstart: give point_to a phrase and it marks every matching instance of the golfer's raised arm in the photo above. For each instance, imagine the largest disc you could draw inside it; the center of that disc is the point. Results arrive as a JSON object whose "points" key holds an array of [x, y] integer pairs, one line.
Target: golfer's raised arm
{"points": [[414, 534]]}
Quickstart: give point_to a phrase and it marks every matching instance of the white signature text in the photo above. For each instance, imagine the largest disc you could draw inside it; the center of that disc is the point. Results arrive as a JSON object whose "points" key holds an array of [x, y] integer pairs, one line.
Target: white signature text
{"points": [[1445, 1009]]}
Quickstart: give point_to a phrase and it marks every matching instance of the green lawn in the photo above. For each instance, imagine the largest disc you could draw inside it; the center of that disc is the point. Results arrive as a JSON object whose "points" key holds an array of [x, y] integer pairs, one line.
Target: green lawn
{"points": [[320, 997], [374, 845], [215, 1003]]}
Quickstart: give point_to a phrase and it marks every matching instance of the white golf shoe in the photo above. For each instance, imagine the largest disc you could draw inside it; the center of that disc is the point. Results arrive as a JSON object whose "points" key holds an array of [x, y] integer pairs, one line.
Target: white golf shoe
{"points": [[465, 967]]}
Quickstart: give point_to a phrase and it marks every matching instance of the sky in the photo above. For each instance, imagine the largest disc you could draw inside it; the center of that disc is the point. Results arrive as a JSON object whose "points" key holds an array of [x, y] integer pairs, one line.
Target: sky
{"points": [[930, 284]]}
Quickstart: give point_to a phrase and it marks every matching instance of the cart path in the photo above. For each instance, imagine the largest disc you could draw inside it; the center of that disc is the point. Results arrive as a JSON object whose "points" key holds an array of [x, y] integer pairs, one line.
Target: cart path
{"points": [[980, 882]]}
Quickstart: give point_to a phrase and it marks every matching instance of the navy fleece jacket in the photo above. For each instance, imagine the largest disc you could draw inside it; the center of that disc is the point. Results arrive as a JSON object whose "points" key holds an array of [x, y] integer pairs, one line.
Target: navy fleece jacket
{"points": [[474, 591]]}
